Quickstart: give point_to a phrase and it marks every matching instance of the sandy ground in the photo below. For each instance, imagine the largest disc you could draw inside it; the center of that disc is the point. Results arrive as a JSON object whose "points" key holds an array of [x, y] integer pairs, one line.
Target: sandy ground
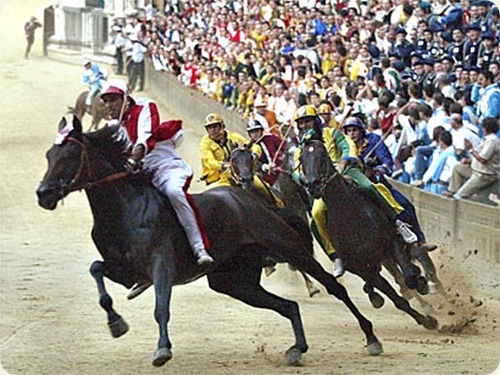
{"points": [[51, 322]]}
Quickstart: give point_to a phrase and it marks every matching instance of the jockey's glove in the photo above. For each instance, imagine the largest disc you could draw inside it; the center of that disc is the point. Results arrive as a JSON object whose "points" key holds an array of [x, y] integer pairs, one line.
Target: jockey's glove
{"points": [[268, 168], [133, 166], [382, 169]]}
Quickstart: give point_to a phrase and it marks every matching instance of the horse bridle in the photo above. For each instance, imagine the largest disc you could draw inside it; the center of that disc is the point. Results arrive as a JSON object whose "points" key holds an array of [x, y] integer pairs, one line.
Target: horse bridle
{"points": [[235, 177], [85, 164], [330, 174]]}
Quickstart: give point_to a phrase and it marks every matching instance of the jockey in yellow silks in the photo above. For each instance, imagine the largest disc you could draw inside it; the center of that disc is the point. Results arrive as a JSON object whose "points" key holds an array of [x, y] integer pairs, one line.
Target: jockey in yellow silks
{"points": [[216, 148], [343, 153]]}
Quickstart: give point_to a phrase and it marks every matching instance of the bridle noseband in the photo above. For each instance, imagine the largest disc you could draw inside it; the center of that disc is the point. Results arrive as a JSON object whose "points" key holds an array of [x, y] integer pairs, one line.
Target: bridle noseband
{"points": [[85, 165]]}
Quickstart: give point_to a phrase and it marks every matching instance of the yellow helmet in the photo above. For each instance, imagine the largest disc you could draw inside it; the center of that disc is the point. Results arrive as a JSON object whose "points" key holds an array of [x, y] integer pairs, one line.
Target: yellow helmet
{"points": [[213, 118], [305, 111], [325, 108]]}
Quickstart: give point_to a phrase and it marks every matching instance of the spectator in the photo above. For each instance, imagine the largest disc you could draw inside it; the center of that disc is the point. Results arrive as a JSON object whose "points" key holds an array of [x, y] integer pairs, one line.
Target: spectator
{"points": [[29, 31], [482, 169], [437, 177]]}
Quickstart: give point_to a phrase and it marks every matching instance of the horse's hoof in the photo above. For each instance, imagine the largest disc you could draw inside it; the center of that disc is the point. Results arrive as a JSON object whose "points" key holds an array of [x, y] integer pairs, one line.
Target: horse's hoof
{"points": [[118, 328], [162, 356], [293, 356], [313, 291], [376, 300], [430, 323], [375, 348], [422, 286]]}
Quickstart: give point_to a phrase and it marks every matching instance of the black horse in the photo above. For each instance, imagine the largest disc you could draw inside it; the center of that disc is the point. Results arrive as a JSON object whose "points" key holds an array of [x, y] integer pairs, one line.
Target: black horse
{"points": [[361, 233], [137, 233], [242, 165]]}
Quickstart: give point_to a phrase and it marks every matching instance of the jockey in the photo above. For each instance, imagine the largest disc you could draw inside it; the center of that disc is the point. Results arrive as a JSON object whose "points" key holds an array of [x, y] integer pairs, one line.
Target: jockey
{"points": [[343, 154], [272, 150], [155, 146], [216, 147], [326, 114], [93, 77], [378, 162]]}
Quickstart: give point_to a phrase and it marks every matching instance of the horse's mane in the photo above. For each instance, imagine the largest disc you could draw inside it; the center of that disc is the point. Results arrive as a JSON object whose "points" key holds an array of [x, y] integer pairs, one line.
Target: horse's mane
{"points": [[114, 143]]}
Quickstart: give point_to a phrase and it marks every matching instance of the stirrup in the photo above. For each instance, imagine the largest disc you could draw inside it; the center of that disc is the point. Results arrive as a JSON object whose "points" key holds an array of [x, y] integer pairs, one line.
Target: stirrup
{"points": [[138, 289]]}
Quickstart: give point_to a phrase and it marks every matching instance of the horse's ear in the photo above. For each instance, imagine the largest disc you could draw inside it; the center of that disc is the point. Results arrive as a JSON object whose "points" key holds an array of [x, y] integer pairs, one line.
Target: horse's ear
{"points": [[62, 123], [77, 124]]}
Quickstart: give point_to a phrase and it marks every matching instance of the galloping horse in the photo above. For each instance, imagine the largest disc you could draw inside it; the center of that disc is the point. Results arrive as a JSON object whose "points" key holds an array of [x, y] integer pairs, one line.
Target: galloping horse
{"points": [[242, 174], [98, 110], [360, 232], [138, 235]]}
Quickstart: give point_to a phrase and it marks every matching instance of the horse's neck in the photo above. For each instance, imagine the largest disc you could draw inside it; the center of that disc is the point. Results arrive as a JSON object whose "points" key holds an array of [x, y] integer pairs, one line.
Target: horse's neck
{"points": [[336, 192]]}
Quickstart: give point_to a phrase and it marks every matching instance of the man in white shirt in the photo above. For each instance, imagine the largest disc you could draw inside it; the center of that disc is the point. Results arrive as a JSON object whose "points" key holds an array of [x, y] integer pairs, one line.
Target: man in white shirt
{"points": [[460, 133], [438, 175]]}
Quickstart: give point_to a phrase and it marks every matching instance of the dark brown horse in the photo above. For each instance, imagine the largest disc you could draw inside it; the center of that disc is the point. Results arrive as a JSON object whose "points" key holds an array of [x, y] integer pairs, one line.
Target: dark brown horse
{"points": [[360, 232], [242, 167], [139, 237], [98, 110]]}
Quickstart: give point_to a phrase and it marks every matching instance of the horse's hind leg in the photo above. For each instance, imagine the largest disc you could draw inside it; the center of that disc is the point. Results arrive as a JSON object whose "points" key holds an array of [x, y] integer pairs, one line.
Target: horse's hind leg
{"points": [[425, 260], [314, 269], [411, 272], [379, 282], [116, 323], [407, 293], [242, 281]]}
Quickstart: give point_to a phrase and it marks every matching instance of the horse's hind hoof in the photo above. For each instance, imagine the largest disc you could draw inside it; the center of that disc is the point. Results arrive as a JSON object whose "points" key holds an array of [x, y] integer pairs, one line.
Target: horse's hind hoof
{"points": [[375, 348], [162, 356], [293, 356], [118, 328], [430, 323], [376, 300]]}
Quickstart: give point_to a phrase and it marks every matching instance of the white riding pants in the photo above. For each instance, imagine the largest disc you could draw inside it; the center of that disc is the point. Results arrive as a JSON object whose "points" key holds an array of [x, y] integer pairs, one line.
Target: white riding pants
{"points": [[173, 178]]}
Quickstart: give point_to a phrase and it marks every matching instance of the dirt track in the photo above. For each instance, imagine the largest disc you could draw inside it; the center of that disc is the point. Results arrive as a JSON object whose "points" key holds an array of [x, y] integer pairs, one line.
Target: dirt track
{"points": [[51, 321]]}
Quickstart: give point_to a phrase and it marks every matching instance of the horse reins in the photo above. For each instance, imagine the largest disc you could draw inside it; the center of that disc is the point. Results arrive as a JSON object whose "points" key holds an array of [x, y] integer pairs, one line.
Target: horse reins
{"points": [[85, 162]]}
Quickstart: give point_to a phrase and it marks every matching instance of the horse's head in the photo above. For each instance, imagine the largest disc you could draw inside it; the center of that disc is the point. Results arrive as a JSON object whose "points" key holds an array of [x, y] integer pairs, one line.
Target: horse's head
{"points": [[316, 166], [242, 165], [65, 164], [70, 160]]}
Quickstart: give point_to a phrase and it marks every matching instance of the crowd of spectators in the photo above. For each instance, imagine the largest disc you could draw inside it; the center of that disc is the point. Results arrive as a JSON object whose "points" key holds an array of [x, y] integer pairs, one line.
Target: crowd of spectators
{"points": [[423, 74]]}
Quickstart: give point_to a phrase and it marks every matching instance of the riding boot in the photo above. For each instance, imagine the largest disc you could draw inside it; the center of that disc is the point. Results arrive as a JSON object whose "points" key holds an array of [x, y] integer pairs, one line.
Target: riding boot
{"points": [[408, 236], [338, 265], [87, 108], [202, 256]]}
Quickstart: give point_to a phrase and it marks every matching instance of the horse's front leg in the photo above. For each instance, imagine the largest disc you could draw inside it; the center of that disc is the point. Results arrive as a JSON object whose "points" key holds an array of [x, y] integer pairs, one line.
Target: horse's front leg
{"points": [[163, 276], [116, 323]]}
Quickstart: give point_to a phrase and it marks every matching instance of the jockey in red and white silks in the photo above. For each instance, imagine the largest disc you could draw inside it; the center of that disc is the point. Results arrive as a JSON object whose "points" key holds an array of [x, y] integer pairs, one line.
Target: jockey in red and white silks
{"points": [[171, 174]]}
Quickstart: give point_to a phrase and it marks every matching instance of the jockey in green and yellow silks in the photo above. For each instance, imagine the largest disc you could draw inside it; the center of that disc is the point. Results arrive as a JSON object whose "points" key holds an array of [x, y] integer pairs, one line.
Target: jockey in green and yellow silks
{"points": [[343, 153]]}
